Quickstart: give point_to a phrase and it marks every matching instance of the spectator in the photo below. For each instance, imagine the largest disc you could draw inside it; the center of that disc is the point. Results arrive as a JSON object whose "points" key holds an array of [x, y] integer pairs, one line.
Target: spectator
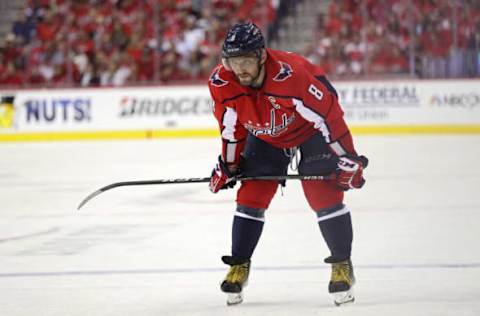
{"points": [[124, 72], [48, 26], [90, 76], [11, 76], [35, 78], [107, 71], [23, 27], [46, 69], [146, 65], [355, 52]]}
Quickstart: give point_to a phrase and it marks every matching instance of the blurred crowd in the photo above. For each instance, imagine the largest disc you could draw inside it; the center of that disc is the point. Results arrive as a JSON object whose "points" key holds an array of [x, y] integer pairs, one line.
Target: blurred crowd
{"points": [[423, 38], [120, 42], [128, 42]]}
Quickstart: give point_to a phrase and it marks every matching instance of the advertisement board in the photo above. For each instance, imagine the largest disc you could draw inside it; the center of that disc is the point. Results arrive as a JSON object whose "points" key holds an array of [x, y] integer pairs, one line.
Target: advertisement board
{"points": [[411, 102], [370, 106], [107, 109]]}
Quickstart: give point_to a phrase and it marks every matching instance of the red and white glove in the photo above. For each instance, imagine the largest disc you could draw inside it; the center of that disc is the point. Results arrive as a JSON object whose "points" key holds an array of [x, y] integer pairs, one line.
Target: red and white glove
{"points": [[220, 175], [350, 172]]}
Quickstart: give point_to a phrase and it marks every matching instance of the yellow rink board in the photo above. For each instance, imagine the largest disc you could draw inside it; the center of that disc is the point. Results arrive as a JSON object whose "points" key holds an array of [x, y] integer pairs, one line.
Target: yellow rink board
{"points": [[188, 133]]}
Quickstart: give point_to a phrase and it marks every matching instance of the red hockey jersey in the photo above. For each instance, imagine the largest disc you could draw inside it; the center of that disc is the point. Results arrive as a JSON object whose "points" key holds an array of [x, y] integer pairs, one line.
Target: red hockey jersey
{"points": [[294, 102]]}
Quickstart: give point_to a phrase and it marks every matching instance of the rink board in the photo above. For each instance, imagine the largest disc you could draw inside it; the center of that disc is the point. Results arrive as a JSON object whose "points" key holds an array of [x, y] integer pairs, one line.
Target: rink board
{"points": [[371, 107]]}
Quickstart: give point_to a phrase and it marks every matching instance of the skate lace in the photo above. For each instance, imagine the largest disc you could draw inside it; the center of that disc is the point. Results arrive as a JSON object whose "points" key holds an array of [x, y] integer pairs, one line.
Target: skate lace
{"points": [[341, 273], [238, 273]]}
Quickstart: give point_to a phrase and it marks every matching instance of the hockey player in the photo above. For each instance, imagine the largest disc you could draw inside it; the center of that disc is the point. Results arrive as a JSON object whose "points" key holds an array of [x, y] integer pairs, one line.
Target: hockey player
{"points": [[269, 104]]}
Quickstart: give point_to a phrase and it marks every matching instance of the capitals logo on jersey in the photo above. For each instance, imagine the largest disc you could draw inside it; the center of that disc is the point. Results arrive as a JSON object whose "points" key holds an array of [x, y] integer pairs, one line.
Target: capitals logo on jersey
{"points": [[284, 73], [216, 80], [272, 129], [273, 102]]}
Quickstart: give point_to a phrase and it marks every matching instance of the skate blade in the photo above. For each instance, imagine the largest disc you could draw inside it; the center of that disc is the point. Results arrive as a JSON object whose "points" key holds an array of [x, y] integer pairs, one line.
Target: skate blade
{"points": [[234, 298], [341, 298]]}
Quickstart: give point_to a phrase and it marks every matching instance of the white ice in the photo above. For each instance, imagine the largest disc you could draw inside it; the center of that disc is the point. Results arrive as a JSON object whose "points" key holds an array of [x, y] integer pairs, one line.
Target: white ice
{"points": [[155, 250]]}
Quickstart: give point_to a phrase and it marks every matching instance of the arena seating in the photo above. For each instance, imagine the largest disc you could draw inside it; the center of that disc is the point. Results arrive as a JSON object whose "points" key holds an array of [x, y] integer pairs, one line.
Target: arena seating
{"points": [[116, 43], [56, 43], [424, 38]]}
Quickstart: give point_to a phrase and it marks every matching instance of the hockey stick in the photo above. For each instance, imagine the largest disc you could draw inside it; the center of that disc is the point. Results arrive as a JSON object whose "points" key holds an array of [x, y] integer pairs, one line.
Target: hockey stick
{"points": [[196, 180]]}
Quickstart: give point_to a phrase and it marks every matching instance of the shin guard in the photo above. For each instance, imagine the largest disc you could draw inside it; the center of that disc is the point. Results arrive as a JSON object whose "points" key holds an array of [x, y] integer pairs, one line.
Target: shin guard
{"points": [[246, 231], [336, 227]]}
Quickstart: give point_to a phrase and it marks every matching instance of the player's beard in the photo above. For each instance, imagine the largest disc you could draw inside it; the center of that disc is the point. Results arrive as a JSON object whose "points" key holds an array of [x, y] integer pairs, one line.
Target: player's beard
{"points": [[247, 79]]}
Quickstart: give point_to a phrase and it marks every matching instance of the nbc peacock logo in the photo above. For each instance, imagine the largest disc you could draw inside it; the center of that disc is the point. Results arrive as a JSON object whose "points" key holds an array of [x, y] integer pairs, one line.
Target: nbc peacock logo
{"points": [[6, 111]]}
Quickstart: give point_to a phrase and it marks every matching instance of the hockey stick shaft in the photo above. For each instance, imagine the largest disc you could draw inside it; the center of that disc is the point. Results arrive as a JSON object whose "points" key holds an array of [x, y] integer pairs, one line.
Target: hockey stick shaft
{"points": [[196, 180]]}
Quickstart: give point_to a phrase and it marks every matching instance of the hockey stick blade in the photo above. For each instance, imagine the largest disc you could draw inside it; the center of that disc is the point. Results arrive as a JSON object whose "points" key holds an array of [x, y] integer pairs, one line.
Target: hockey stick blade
{"points": [[197, 180], [142, 182]]}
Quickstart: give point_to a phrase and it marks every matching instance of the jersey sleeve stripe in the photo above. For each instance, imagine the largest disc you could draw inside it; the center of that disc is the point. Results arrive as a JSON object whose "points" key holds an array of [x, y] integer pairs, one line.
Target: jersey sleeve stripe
{"points": [[313, 117], [230, 149], [235, 142], [338, 149], [229, 121], [230, 152]]}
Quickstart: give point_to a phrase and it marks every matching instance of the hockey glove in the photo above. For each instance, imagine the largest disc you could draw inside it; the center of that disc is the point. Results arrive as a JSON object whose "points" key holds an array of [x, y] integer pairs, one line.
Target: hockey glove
{"points": [[220, 176], [350, 172]]}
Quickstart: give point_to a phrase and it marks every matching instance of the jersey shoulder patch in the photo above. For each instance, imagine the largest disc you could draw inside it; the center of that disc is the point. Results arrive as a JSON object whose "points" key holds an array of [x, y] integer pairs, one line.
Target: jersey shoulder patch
{"points": [[215, 79], [284, 73]]}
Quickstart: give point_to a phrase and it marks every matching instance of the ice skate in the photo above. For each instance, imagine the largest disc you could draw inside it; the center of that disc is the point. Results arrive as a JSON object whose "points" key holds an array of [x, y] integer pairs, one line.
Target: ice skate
{"points": [[236, 279], [341, 281]]}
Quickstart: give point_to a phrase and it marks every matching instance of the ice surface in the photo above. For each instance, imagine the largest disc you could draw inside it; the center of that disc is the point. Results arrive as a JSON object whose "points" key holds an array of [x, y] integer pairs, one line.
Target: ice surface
{"points": [[155, 250]]}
